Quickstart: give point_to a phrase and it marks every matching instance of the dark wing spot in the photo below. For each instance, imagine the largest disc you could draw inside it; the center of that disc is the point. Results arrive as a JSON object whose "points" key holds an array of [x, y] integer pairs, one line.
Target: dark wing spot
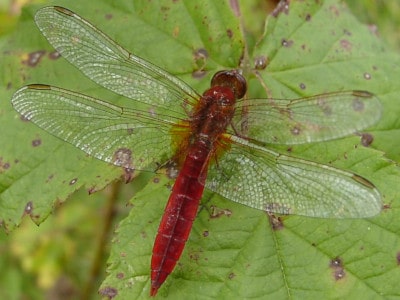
{"points": [[358, 105], [325, 107], [295, 130]]}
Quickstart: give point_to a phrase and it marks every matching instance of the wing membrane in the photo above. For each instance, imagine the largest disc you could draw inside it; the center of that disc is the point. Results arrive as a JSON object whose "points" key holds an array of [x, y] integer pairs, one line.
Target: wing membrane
{"points": [[110, 65], [312, 119], [129, 138], [263, 179]]}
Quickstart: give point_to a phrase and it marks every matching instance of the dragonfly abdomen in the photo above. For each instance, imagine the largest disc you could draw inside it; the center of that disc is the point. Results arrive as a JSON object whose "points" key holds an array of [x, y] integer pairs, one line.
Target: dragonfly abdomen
{"points": [[179, 214]]}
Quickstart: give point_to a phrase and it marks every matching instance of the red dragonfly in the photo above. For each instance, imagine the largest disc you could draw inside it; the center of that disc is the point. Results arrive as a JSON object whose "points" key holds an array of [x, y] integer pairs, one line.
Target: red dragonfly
{"points": [[168, 121]]}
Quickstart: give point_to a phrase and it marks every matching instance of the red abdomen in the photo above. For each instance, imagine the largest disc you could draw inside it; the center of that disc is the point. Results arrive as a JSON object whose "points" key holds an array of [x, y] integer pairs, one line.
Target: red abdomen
{"points": [[179, 214]]}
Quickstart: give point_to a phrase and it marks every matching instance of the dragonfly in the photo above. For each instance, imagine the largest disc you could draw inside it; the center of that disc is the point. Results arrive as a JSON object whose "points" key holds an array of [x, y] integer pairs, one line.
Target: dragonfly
{"points": [[202, 134]]}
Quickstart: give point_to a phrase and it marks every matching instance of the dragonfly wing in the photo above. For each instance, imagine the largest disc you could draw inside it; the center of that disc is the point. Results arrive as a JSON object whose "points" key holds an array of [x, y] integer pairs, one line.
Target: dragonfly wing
{"points": [[110, 65], [263, 179], [129, 138], [311, 119]]}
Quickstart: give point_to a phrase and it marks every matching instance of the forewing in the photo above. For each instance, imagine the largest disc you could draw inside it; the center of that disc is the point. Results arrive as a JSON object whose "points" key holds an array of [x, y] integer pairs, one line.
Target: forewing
{"points": [[263, 179], [133, 139], [311, 119], [110, 65]]}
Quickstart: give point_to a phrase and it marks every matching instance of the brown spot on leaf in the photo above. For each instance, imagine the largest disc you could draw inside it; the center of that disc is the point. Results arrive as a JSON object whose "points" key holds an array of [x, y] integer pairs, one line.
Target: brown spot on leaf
{"points": [[36, 143], [92, 190], [109, 292], [108, 16], [28, 208], [286, 43], [34, 58], [200, 57], [367, 76], [387, 206], [49, 178], [308, 17], [276, 222], [366, 139], [4, 165], [229, 33], [282, 7], [339, 274], [398, 258], [73, 181], [54, 55], [206, 233], [346, 45], [128, 175], [172, 169], [198, 74], [260, 62], [120, 275], [216, 212], [231, 275], [302, 86], [338, 269], [200, 53]]}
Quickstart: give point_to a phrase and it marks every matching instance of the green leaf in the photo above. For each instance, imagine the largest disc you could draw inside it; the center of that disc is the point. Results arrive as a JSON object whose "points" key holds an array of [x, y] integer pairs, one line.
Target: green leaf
{"points": [[233, 251]]}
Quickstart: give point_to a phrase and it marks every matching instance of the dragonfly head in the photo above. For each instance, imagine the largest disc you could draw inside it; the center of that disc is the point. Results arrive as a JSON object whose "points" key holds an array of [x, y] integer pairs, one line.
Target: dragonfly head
{"points": [[231, 79]]}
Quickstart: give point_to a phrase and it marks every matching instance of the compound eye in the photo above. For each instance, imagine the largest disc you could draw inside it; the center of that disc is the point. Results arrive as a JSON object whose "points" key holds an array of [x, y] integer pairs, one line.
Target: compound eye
{"points": [[231, 79]]}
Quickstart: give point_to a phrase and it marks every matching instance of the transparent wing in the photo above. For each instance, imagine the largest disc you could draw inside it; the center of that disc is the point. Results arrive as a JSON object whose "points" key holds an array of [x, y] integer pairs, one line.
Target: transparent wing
{"points": [[262, 179], [110, 65], [312, 119], [133, 139]]}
